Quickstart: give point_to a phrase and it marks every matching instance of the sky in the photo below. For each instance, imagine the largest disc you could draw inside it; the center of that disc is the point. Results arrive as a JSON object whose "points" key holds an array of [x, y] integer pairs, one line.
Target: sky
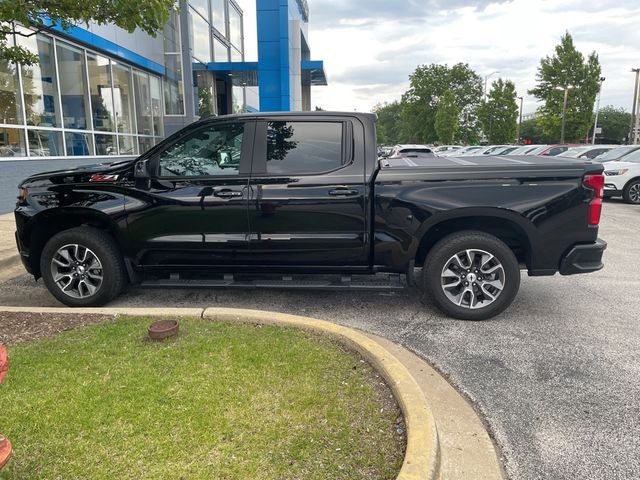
{"points": [[370, 47]]}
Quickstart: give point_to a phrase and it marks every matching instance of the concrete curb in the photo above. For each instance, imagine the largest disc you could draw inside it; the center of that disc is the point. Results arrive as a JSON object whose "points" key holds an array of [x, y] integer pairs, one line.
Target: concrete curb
{"points": [[422, 457]]}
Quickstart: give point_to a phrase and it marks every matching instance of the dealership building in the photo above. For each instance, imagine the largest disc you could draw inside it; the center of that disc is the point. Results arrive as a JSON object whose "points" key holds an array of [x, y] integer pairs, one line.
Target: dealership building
{"points": [[99, 91]]}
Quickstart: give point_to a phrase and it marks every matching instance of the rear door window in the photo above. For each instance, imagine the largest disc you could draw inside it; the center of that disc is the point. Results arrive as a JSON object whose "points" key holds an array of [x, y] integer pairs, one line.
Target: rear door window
{"points": [[304, 147]]}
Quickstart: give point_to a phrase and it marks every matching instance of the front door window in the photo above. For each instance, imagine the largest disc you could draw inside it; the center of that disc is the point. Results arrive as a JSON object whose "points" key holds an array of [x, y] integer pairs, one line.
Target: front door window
{"points": [[211, 151]]}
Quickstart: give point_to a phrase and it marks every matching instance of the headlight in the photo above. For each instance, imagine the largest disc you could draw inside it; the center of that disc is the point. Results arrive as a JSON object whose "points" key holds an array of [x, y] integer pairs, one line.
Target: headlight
{"points": [[23, 194], [613, 173]]}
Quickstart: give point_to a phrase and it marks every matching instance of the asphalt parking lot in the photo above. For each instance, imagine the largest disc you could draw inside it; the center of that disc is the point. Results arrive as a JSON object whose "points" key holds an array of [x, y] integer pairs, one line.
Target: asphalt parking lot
{"points": [[557, 376]]}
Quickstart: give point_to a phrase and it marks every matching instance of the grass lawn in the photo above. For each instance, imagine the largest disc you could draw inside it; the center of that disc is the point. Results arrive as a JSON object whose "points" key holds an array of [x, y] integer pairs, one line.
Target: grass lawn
{"points": [[221, 401]]}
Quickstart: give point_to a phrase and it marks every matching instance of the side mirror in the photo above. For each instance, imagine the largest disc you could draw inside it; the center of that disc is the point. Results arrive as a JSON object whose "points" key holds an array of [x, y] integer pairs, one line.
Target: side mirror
{"points": [[141, 170]]}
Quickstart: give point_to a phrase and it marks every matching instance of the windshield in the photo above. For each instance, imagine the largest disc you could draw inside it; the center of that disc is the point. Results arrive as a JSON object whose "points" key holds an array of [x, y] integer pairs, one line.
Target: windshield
{"points": [[574, 152], [616, 153], [632, 157]]}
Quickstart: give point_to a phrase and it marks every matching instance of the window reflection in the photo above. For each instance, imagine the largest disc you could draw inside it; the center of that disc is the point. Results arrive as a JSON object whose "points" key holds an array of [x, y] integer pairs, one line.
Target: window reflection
{"points": [[235, 27], [73, 87], [106, 145], [10, 109], [218, 16], [215, 150], [303, 147], [123, 98], [39, 82], [12, 143], [101, 93], [44, 143], [79, 143]]}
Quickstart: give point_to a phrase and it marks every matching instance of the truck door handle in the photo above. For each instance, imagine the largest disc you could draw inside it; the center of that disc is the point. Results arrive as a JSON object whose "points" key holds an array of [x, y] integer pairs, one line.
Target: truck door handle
{"points": [[343, 192], [227, 193]]}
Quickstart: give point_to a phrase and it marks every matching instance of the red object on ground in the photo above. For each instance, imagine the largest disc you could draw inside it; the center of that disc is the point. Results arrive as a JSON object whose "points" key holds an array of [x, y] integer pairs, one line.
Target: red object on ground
{"points": [[5, 451], [5, 444]]}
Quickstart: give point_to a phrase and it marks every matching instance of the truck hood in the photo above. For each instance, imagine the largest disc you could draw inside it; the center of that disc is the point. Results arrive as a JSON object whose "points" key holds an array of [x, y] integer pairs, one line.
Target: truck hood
{"points": [[80, 174]]}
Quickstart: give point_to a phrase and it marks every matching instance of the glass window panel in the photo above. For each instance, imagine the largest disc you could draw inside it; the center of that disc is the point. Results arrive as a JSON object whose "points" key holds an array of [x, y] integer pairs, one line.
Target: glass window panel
{"points": [[173, 88], [303, 147], [72, 72], [145, 144], [238, 99], [172, 34], [235, 27], [201, 39], [101, 93], [128, 145], [156, 105], [10, 104], [204, 93], [12, 143], [45, 143], [236, 56], [143, 103], [123, 98], [106, 145], [79, 143], [39, 82], [218, 16], [220, 51], [201, 6], [214, 150]]}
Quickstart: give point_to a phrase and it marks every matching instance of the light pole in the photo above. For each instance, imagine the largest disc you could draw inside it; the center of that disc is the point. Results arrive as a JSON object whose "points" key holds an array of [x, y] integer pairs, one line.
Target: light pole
{"points": [[520, 121], [486, 78], [595, 125], [566, 89], [632, 130]]}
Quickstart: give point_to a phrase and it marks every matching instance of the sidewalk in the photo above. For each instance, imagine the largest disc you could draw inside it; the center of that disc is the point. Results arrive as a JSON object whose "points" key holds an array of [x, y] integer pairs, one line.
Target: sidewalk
{"points": [[10, 264]]}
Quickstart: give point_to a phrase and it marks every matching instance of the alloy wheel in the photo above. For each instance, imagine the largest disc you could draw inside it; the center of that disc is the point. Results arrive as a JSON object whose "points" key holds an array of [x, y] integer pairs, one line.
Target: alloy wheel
{"points": [[77, 271], [473, 279]]}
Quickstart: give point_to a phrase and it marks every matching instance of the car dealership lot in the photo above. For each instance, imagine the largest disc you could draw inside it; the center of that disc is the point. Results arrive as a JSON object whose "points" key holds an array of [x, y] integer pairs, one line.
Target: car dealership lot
{"points": [[556, 376]]}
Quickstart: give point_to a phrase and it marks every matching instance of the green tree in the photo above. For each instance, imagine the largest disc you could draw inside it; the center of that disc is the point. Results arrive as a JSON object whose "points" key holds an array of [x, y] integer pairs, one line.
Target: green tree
{"points": [[147, 15], [447, 121], [389, 125], [567, 68], [532, 131], [615, 123], [499, 115], [420, 103]]}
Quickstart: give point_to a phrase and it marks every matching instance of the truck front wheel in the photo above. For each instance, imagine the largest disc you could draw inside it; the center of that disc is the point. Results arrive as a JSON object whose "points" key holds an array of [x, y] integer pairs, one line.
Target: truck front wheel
{"points": [[471, 275], [82, 267]]}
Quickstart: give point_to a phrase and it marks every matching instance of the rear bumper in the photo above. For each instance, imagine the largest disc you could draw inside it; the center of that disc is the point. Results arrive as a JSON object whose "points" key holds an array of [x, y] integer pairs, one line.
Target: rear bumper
{"points": [[584, 258]]}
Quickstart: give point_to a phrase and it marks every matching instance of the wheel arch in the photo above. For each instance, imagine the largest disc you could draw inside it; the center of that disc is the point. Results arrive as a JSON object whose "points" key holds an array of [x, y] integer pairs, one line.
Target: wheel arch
{"points": [[45, 225], [500, 224]]}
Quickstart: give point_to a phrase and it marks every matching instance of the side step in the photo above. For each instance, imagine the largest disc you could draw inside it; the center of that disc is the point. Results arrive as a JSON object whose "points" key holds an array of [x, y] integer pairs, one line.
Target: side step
{"points": [[378, 282]]}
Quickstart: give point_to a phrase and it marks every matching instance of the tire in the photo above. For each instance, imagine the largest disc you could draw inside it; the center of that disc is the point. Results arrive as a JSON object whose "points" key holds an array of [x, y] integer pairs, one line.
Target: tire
{"points": [[494, 270], [631, 193], [75, 259]]}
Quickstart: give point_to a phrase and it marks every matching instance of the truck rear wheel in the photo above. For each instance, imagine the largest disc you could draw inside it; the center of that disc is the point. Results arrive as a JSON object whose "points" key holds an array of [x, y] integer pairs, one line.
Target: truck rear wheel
{"points": [[471, 275], [82, 267]]}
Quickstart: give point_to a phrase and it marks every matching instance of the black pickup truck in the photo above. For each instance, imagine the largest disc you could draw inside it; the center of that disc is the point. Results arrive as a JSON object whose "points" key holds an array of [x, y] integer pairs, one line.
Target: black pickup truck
{"points": [[301, 200]]}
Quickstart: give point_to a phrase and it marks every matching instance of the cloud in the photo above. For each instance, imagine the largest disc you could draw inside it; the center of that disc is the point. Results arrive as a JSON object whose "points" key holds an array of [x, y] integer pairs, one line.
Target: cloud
{"points": [[370, 47]]}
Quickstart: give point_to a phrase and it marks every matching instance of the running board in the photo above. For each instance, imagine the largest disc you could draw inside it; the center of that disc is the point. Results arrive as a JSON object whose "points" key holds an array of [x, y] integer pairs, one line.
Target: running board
{"points": [[379, 282]]}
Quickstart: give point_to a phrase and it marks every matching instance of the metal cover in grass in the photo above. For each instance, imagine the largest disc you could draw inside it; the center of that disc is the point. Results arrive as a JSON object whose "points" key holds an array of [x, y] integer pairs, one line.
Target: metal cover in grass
{"points": [[219, 401]]}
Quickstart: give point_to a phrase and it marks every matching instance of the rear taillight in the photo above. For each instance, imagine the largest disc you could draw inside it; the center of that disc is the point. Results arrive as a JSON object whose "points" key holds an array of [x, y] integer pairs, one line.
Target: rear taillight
{"points": [[595, 183]]}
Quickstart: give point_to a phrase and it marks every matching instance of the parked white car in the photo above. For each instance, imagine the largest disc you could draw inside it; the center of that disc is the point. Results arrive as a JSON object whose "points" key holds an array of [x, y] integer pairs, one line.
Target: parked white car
{"points": [[622, 178], [400, 150]]}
